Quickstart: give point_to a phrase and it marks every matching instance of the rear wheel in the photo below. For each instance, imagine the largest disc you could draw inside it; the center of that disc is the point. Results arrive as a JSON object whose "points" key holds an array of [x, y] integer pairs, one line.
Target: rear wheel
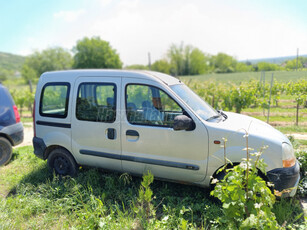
{"points": [[5, 151], [62, 163]]}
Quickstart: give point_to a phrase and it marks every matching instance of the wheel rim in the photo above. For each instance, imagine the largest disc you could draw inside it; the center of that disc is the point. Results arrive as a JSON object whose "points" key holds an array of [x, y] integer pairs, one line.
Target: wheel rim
{"points": [[61, 165]]}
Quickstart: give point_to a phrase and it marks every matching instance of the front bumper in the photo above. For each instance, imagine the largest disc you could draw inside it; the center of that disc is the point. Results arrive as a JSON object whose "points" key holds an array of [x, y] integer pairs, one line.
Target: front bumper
{"points": [[285, 180]]}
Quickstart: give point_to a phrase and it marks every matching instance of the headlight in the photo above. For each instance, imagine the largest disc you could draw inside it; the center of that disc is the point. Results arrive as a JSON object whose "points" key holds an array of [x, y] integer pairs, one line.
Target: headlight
{"points": [[288, 158]]}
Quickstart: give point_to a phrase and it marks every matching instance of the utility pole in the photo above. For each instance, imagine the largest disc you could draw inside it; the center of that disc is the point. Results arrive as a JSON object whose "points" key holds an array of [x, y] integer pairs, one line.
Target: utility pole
{"points": [[268, 117], [149, 61]]}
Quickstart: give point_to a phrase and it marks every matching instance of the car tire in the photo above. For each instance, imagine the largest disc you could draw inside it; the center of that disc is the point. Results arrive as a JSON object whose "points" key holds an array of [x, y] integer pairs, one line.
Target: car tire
{"points": [[6, 151], [62, 163]]}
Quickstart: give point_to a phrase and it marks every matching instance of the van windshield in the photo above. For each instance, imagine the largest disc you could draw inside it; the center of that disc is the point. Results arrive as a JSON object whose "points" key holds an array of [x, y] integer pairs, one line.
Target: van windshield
{"points": [[202, 108]]}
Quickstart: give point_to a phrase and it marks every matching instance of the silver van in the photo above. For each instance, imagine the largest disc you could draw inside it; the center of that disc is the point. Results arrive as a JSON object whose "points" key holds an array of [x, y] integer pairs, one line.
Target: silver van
{"points": [[135, 121]]}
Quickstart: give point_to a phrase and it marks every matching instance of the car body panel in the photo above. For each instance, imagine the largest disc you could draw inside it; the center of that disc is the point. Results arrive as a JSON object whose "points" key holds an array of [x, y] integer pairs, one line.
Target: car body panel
{"points": [[8, 127]]}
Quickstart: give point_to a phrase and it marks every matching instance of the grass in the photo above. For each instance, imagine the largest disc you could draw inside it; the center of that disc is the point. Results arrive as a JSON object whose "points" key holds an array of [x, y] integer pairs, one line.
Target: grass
{"points": [[281, 118], [96, 199], [26, 119], [37, 199], [281, 76], [292, 129]]}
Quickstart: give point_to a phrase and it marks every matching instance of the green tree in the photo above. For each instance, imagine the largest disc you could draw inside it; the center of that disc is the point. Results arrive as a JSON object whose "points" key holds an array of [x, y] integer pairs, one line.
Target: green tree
{"points": [[242, 67], [161, 66], [265, 66], [95, 53], [176, 56], [137, 66], [199, 62], [28, 73], [223, 63], [291, 64], [48, 60], [4, 74], [187, 60]]}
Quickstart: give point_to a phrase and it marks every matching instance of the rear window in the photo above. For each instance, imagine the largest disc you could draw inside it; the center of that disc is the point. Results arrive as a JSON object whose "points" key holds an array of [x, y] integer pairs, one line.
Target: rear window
{"points": [[54, 100], [96, 102]]}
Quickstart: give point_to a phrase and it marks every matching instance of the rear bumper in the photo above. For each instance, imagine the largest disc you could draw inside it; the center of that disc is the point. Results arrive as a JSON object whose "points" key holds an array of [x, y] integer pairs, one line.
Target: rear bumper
{"points": [[39, 147], [285, 180], [14, 133]]}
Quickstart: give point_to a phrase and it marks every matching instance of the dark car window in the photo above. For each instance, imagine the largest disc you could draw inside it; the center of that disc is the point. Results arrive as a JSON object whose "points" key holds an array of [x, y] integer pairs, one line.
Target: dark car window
{"points": [[96, 102], [54, 100]]}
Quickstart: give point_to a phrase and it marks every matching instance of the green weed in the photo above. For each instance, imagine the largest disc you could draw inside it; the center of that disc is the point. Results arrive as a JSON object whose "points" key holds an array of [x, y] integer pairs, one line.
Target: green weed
{"points": [[97, 199]]}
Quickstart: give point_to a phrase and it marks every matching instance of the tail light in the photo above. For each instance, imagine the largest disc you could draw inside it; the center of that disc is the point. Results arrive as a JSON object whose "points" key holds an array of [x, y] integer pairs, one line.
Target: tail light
{"points": [[33, 116], [17, 116]]}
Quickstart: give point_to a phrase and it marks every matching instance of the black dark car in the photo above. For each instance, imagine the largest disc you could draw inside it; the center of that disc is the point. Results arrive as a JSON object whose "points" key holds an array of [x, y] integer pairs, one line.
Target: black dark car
{"points": [[11, 129]]}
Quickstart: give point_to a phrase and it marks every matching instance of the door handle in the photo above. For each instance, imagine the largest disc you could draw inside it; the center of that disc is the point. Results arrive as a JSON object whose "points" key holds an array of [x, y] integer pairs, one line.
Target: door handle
{"points": [[133, 133], [111, 133]]}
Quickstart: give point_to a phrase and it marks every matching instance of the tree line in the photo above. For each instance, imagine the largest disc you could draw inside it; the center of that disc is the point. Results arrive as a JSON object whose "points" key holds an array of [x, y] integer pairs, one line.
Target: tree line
{"points": [[180, 59], [88, 53], [188, 60]]}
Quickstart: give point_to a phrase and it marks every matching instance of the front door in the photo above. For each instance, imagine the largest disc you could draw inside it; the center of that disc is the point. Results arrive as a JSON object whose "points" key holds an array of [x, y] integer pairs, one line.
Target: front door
{"points": [[96, 122], [148, 140]]}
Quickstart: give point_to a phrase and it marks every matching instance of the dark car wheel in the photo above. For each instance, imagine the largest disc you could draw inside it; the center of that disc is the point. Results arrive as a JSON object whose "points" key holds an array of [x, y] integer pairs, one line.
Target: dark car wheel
{"points": [[5, 151], [62, 163]]}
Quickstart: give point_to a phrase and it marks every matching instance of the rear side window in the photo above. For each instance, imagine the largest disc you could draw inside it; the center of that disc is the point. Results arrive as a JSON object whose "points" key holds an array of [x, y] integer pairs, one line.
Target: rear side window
{"points": [[96, 102], [54, 100]]}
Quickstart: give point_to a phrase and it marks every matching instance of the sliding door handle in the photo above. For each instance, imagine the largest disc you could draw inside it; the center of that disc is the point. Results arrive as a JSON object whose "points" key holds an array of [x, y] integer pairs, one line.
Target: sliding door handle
{"points": [[111, 133], [133, 133]]}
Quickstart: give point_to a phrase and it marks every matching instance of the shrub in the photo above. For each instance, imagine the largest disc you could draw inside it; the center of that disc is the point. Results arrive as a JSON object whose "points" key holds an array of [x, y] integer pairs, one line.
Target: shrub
{"points": [[247, 201], [302, 158]]}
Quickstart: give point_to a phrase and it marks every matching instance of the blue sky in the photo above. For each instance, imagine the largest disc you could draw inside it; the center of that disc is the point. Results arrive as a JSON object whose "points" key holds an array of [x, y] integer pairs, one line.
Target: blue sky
{"points": [[242, 28]]}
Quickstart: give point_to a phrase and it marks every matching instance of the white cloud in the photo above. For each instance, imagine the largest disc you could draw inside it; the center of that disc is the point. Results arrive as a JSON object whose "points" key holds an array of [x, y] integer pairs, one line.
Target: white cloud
{"points": [[103, 3], [135, 28], [69, 16]]}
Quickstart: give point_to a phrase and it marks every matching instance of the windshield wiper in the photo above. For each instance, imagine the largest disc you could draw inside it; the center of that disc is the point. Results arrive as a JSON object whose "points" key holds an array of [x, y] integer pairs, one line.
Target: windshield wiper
{"points": [[213, 117], [223, 114]]}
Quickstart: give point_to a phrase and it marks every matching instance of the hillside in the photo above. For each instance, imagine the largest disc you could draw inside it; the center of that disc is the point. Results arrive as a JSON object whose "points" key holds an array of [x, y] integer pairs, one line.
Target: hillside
{"points": [[274, 60], [11, 62]]}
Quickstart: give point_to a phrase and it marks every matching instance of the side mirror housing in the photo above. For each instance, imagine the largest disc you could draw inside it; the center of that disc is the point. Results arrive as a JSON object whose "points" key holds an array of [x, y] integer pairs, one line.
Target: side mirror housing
{"points": [[183, 122]]}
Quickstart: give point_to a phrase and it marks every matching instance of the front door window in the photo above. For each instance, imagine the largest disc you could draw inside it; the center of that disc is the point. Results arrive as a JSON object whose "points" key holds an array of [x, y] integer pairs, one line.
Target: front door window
{"points": [[148, 105]]}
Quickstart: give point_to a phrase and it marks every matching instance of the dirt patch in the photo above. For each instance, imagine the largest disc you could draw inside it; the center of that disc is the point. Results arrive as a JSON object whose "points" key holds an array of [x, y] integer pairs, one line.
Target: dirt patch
{"points": [[285, 100], [28, 135], [288, 114], [285, 123], [298, 136]]}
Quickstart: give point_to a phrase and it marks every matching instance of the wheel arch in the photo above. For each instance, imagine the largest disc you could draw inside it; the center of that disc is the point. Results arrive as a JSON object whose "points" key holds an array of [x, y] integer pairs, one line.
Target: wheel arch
{"points": [[50, 148], [7, 137], [260, 173]]}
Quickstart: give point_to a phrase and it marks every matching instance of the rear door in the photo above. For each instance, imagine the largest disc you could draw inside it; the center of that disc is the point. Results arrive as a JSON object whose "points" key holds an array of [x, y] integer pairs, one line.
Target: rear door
{"points": [[96, 122]]}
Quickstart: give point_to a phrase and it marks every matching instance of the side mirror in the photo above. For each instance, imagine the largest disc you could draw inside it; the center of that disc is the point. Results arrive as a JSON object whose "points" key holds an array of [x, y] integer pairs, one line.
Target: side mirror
{"points": [[182, 122]]}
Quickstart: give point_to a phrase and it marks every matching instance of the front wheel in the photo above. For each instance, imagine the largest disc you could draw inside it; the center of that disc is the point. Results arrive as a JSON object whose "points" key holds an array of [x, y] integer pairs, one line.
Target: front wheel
{"points": [[5, 151], [62, 163]]}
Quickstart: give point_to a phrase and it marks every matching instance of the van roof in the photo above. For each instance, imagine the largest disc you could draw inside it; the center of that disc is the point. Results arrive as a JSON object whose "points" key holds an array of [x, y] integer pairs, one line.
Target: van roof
{"points": [[144, 74]]}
